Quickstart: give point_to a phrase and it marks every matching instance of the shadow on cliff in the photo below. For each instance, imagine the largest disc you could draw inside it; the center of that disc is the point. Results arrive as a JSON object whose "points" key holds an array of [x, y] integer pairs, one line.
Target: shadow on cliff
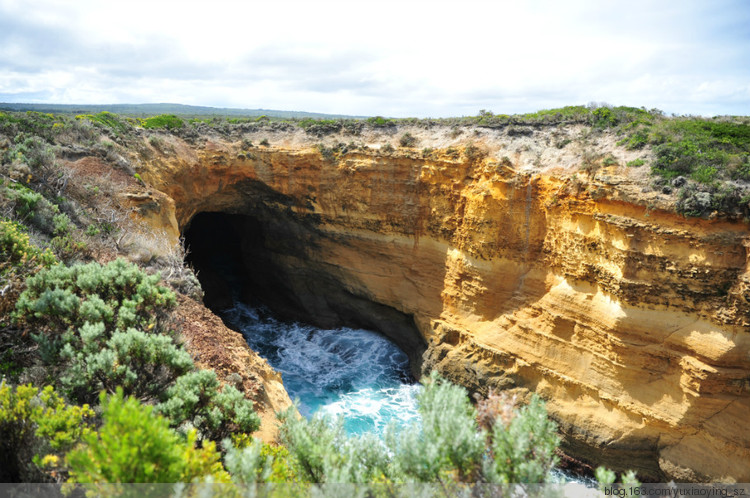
{"points": [[270, 258]]}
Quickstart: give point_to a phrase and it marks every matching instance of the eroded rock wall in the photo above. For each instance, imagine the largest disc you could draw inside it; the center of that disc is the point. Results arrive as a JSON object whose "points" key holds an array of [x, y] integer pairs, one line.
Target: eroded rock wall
{"points": [[631, 322]]}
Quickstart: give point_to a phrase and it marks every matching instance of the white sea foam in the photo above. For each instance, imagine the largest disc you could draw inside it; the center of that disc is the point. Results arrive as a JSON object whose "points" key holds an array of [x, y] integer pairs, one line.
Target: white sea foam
{"points": [[353, 373]]}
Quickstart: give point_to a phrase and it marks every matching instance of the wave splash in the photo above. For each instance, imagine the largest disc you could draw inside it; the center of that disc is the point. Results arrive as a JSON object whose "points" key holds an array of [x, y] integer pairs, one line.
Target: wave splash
{"points": [[353, 373]]}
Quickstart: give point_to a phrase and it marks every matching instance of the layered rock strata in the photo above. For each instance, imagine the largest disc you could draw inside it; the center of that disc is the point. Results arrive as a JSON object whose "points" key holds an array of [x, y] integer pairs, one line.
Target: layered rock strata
{"points": [[631, 322]]}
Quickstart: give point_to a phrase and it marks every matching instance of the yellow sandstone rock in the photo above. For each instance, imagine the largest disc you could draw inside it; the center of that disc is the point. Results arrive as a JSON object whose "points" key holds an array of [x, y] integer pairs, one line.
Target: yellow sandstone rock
{"points": [[631, 321]]}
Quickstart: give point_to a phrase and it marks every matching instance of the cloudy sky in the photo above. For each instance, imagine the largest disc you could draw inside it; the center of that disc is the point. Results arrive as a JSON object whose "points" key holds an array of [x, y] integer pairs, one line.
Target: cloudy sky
{"points": [[396, 58]]}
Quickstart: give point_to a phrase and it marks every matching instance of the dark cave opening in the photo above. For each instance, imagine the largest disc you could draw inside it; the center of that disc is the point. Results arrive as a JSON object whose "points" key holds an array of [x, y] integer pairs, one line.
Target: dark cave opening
{"points": [[269, 259]]}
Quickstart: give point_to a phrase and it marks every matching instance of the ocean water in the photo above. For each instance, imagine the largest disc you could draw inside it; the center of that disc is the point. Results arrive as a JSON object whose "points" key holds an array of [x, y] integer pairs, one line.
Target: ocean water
{"points": [[357, 374]]}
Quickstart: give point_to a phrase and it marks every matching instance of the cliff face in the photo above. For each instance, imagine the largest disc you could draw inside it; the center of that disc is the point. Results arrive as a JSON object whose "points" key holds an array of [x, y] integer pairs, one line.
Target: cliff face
{"points": [[632, 322]]}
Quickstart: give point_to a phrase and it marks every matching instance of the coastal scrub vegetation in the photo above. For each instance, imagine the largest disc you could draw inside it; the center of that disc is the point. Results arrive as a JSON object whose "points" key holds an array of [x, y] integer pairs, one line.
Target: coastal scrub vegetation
{"points": [[711, 154], [452, 444]]}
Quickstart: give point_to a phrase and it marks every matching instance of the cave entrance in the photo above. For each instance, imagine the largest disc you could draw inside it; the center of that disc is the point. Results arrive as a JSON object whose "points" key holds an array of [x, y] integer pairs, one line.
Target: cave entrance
{"points": [[349, 356], [270, 259]]}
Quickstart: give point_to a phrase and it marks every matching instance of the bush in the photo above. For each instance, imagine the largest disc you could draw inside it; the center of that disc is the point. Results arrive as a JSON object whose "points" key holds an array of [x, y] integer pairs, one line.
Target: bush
{"points": [[18, 259], [34, 158], [704, 174], [16, 250], [87, 318], [108, 120], [168, 121], [101, 327], [141, 364], [449, 442], [474, 153], [134, 445], [253, 461], [36, 427], [700, 148], [523, 449], [603, 117], [380, 122], [119, 295], [320, 127], [33, 209], [511, 445], [407, 140], [195, 401]]}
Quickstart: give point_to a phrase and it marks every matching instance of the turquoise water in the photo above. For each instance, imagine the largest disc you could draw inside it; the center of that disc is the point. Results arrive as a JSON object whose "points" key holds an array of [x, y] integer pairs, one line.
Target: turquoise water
{"points": [[357, 374], [353, 373]]}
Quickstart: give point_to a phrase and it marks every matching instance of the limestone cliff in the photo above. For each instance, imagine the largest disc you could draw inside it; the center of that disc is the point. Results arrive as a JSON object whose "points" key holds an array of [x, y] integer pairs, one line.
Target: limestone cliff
{"points": [[630, 320]]}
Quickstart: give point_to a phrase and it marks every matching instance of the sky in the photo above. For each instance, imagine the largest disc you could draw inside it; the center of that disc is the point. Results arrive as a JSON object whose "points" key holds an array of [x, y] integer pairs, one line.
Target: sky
{"points": [[405, 58]]}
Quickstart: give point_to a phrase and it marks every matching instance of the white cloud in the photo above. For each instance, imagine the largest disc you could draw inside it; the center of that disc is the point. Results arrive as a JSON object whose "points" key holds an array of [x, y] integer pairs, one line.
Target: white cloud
{"points": [[389, 57]]}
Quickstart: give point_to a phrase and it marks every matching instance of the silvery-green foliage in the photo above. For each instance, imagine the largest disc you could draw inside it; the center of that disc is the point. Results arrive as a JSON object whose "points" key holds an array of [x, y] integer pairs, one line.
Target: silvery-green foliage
{"points": [[198, 399], [313, 443], [448, 439], [524, 450], [448, 447], [142, 364], [247, 465], [119, 295]]}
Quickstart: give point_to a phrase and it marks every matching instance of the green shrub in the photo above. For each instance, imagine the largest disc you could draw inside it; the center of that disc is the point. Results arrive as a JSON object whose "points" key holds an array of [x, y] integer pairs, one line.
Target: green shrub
{"points": [[86, 318], [141, 364], [36, 427], [67, 247], [407, 140], [637, 140], [379, 122], [134, 445], [606, 479], [33, 151], [16, 250], [449, 441], [168, 121], [108, 120], [741, 171], [101, 327], [249, 460], [26, 202], [704, 174], [635, 163], [247, 465], [118, 294], [474, 153], [328, 153], [61, 224], [523, 450], [699, 146], [603, 117], [33, 209], [320, 127], [517, 445], [323, 452], [196, 401]]}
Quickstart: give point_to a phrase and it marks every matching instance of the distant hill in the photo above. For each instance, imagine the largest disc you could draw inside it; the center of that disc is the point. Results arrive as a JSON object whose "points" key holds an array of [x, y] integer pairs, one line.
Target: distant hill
{"points": [[142, 110]]}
